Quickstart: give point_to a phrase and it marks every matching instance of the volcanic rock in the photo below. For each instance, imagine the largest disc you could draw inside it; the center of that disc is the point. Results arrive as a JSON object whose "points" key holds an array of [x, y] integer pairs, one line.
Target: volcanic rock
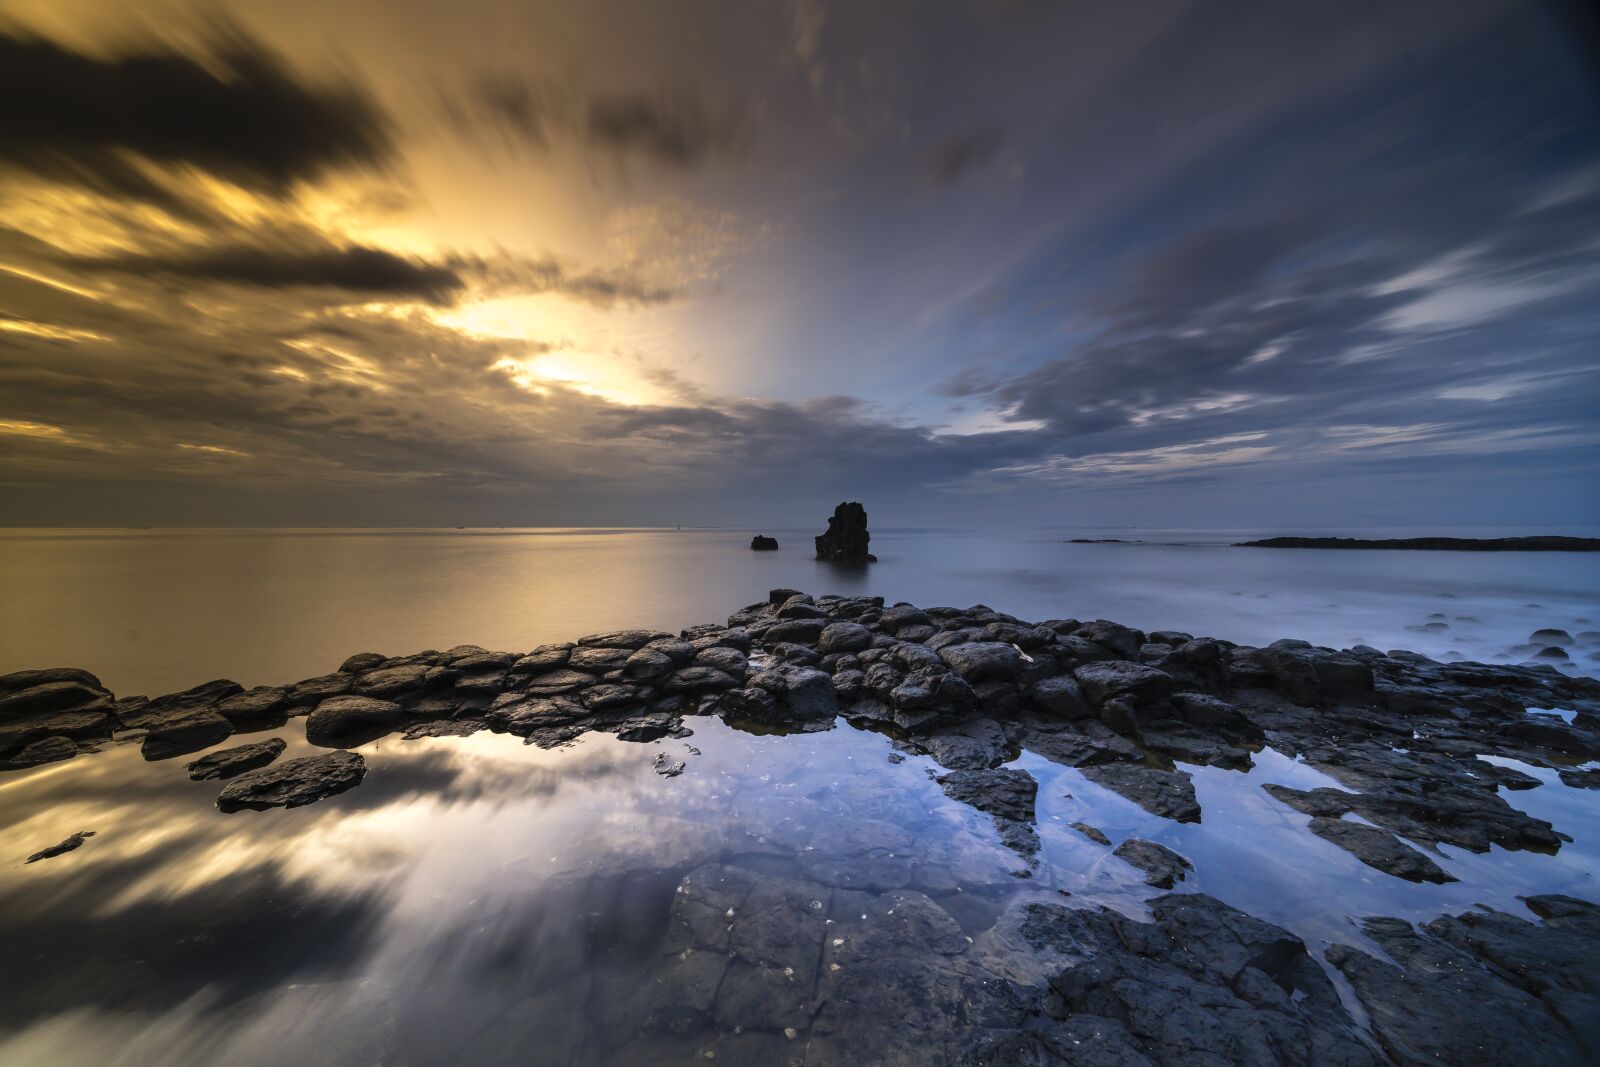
{"points": [[846, 538], [294, 783]]}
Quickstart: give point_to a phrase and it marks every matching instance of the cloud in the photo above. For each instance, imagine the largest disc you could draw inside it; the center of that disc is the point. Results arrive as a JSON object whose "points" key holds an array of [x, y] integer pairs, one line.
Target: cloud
{"points": [[293, 257], [951, 158], [676, 129], [241, 116], [356, 269]]}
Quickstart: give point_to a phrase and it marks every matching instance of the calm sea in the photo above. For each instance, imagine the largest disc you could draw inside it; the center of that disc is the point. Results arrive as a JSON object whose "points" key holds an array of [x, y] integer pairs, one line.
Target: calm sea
{"points": [[153, 611]]}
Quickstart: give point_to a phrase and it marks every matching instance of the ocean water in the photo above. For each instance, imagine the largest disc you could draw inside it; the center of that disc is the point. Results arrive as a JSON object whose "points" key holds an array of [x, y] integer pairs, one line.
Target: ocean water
{"points": [[478, 900], [154, 611]]}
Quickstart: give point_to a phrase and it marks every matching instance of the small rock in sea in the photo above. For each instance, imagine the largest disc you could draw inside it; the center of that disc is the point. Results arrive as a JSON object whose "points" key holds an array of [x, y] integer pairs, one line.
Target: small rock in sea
{"points": [[668, 769], [1551, 652], [294, 783], [1092, 833], [1550, 636], [897, 757], [763, 543], [231, 762], [66, 846], [846, 538]]}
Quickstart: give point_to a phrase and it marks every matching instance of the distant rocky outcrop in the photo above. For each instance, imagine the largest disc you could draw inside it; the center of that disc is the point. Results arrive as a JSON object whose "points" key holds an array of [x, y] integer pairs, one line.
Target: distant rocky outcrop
{"points": [[1436, 544], [847, 537], [763, 543]]}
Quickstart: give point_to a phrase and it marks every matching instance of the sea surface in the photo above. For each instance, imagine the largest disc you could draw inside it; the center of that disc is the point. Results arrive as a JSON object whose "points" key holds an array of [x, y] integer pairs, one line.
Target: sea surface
{"points": [[478, 900], [155, 611]]}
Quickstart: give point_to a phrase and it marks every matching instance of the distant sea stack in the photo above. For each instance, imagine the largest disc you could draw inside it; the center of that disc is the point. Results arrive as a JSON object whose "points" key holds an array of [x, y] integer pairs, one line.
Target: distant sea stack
{"points": [[847, 537], [763, 543]]}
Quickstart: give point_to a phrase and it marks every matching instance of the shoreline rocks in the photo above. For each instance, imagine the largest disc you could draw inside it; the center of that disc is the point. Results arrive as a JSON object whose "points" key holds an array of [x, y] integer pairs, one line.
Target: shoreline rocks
{"points": [[853, 956]]}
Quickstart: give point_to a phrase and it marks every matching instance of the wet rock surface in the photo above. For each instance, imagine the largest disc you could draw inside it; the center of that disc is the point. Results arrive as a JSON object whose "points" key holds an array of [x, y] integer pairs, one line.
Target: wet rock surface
{"points": [[1484, 987], [1162, 867], [231, 762], [294, 783], [1380, 849], [865, 944]]}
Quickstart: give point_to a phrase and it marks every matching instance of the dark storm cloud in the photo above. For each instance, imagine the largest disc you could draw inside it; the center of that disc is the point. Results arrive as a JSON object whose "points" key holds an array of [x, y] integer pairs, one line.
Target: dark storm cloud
{"points": [[356, 270], [243, 117], [290, 257], [951, 158], [675, 129], [1242, 249]]}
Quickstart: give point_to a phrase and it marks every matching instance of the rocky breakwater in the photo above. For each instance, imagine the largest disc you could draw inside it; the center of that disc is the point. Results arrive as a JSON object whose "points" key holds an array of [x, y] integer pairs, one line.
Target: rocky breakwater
{"points": [[1401, 735]]}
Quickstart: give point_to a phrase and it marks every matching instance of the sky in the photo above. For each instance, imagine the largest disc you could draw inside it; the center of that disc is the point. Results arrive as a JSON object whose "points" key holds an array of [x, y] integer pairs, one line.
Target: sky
{"points": [[987, 262]]}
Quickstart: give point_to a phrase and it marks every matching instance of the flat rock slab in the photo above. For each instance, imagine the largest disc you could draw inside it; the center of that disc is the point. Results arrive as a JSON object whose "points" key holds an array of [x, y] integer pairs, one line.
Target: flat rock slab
{"points": [[66, 846], [232, 762], [1380, 849], [1169, 794], [1484, 987], [1161, 866], [1007, 795], [294, 783]]}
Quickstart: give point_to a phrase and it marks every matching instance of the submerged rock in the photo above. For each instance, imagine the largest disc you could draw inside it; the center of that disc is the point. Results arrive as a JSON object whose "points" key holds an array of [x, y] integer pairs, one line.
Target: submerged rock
{"points": [[63, 847], [294, 783], [1162, 867], [1169, 794], [1380, 849]]}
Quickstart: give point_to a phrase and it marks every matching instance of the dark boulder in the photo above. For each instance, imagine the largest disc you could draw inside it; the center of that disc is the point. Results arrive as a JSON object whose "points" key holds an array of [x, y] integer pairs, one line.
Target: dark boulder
{"points": [[340, 716], [49, 750], [847, 538], [294, 783], [763, 543], [362, 662], [844, 637], [629, 639], [976, 661], [542, 659], [63, 694], [647, 665], [799, 692], [389, 681], [180, 723], [1061, 697], [1108, 679], [254, 706]]}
